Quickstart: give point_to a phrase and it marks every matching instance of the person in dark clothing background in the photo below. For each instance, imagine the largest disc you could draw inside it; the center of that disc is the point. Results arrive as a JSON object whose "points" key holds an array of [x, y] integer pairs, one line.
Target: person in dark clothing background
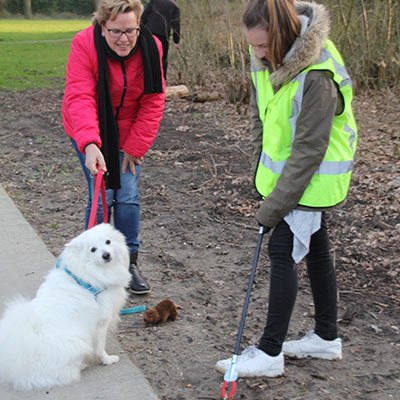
{"points": [[160, 17]]}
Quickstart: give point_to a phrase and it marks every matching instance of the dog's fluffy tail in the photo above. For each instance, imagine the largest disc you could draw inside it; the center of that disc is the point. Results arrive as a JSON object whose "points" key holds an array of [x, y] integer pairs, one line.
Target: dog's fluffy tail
{"points": [[28, 357]]}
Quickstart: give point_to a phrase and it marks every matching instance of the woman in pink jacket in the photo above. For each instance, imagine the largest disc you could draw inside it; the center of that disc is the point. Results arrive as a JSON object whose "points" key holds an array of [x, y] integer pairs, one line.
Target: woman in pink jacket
{"points": [[112, 108]]}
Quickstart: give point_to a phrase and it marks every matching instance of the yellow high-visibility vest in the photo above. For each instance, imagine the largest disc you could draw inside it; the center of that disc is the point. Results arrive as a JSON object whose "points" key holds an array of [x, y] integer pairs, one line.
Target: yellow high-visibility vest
{"points": [[279, 112]]}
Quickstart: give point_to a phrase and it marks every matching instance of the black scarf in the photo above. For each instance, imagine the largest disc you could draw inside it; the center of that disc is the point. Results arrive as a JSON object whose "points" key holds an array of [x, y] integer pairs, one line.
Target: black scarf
{"points": [[107, 123]]}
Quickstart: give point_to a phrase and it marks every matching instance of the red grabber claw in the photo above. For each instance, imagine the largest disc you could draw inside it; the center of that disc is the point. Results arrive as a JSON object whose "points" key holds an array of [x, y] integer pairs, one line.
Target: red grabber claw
{"points": [[224, 395]]}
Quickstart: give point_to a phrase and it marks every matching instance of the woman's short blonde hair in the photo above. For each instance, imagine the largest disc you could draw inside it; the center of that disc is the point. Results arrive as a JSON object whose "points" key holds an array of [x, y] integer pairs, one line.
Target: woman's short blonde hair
{"points": [[109, 9]]}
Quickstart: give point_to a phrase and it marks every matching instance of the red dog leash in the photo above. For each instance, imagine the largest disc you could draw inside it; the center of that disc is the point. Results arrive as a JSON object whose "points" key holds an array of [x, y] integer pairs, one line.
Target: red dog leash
{"points": [[98, 183]]}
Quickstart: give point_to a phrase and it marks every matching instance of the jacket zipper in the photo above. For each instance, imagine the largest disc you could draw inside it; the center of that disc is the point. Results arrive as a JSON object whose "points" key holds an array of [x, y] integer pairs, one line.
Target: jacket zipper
{"points": [[124, 91]]}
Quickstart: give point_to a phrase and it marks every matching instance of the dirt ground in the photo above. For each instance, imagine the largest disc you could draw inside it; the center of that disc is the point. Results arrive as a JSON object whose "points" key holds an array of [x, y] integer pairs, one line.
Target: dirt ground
{"points": [[198, 238]]}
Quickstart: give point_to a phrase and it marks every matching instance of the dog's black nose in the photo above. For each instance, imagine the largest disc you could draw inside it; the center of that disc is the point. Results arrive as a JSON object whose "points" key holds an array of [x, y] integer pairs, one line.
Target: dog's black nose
{"points": [[106, 256]]}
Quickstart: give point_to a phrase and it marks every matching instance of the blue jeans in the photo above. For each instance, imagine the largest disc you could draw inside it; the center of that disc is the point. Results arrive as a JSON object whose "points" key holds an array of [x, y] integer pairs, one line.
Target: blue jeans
{"points": [[123, 204]]}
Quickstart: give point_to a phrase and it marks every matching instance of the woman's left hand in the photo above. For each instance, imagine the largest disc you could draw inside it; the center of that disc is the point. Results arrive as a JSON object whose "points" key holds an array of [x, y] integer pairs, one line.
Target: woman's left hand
{"points": [[130, 161]]}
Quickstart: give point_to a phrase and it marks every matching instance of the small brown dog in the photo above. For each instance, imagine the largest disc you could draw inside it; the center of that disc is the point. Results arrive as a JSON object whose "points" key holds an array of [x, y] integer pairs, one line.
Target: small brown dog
{"points": [[162, 312]]}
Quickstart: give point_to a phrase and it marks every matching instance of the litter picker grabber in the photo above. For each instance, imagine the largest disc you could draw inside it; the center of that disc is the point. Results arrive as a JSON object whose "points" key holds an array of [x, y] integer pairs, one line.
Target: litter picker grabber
{"points": [[98, 184], [231, 375]]}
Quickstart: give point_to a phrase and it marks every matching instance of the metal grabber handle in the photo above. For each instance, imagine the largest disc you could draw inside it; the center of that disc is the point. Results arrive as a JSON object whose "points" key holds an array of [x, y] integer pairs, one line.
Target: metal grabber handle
{"points": [[231, 375]]}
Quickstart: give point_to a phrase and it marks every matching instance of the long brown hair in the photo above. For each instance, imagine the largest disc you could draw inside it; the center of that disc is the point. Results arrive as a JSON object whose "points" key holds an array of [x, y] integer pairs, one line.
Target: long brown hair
{"points": [[279, 18]]}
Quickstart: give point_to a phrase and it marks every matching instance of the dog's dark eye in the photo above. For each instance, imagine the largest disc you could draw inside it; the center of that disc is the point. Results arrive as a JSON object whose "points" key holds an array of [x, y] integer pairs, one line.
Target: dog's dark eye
{"points": [[93, 249], [108, 241]]}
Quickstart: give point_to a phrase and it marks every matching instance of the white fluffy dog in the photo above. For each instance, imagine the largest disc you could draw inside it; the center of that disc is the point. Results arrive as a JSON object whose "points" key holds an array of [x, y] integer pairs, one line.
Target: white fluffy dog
{"points": [[47, 341]]}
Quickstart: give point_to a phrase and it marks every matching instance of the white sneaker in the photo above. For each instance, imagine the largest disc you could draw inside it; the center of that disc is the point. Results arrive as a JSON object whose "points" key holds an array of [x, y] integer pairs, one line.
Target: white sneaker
{"points": [[311, 345], [254, 362]]}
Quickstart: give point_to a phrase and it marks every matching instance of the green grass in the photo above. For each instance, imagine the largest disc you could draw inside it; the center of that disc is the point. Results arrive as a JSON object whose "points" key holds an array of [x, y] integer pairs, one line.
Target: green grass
{"points": [[33, 54]]}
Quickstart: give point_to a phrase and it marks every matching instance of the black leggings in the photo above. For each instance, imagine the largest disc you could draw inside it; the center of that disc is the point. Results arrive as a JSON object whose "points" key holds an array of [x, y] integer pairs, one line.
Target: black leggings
{"points": [[283, 287]]}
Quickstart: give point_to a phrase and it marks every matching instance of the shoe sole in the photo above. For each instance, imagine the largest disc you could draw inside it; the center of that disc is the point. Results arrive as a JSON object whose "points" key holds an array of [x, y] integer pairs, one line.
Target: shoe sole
{"points": [[321, 356], [139, 292], [272, 374]]}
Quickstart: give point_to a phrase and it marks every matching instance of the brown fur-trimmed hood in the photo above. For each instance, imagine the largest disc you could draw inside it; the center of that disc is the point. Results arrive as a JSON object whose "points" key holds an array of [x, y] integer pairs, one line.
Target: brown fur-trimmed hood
{"points": [[307, 47]]}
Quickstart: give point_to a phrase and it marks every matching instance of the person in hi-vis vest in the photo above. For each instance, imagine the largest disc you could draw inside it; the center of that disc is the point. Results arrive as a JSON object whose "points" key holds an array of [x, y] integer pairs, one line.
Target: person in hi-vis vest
{"points": [[305, 137]]}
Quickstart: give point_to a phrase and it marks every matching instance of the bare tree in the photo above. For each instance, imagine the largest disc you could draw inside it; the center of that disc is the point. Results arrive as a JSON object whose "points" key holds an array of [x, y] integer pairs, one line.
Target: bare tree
{"points": [[2, 7], [28, 9]]}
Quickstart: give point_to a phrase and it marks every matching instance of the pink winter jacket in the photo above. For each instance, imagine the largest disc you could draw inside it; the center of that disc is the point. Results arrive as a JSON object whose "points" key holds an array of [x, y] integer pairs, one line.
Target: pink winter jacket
{"points": [[139, 117]]}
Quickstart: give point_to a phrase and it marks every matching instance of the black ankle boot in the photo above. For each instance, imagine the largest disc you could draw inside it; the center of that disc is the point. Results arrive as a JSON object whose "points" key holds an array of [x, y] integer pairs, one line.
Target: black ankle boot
{"points": [[138, 284]]}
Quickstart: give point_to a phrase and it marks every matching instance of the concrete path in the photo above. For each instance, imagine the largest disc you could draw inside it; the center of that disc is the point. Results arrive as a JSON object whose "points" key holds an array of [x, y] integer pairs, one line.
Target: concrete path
{"points": [[24, 261]]}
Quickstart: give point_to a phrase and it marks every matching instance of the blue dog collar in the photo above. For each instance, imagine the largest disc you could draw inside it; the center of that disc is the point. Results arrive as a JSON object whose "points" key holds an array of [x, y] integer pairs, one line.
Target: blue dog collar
{"points": [[79, 281]]}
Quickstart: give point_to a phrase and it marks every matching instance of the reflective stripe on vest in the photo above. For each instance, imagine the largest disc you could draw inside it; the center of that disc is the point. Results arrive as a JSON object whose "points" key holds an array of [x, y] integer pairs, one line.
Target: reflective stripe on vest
{"points": [[330, 182]]}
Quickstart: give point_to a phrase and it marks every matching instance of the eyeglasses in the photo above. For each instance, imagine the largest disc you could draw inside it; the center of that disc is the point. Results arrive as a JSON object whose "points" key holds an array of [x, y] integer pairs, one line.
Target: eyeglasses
{"points": [[117, 33]]}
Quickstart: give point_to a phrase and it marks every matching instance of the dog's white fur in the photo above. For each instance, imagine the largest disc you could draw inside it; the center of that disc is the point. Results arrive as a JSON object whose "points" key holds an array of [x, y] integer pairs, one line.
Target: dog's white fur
{"points": [[47, 341]]}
